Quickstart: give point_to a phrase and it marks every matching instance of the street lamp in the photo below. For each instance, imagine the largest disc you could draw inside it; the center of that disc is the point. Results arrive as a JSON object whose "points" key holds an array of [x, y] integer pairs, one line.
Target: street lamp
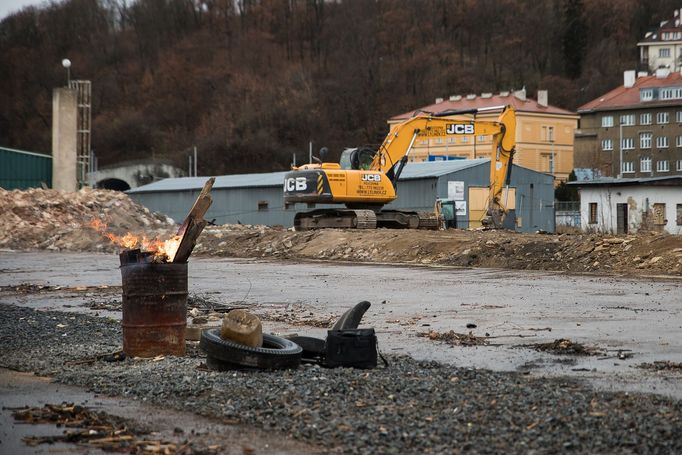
{"points": [[66, 63], [620, 148]]}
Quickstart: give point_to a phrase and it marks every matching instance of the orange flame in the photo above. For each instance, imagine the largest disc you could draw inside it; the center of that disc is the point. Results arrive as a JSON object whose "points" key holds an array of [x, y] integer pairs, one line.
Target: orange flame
{"points": [[162, 249]]}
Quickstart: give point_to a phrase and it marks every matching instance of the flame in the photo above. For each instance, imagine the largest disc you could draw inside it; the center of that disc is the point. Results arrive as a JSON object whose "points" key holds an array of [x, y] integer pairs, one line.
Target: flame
{"points": [[162, 249]]}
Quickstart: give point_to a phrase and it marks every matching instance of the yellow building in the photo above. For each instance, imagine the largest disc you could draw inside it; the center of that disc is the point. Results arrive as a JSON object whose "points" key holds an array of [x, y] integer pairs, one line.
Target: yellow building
{"points": [[544, 133]]}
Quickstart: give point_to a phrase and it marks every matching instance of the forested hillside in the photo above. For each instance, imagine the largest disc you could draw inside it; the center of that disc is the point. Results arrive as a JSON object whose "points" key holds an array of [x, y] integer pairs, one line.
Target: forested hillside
{"points": [[250, 82]]}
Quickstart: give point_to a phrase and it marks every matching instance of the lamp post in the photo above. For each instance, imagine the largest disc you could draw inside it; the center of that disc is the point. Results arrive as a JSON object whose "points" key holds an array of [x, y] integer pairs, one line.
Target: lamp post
{"points": [[620, 149], [66, 63]]}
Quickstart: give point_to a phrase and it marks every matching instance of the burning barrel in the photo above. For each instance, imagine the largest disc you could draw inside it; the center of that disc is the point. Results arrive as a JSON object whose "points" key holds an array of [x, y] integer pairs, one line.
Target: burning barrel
{"points": [[154, 305]]}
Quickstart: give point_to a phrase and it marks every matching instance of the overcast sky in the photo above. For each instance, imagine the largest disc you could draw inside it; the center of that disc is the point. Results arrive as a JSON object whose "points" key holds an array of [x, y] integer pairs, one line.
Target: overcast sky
{"points": [[12, 6]]}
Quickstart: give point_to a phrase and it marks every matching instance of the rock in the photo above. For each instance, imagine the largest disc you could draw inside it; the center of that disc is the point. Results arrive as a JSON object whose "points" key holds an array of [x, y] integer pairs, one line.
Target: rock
{"points": [[655, 259], [242, 327]]}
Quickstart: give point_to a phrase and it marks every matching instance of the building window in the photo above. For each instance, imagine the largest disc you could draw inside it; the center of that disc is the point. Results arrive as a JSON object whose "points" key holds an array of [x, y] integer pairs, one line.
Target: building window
{"points": [[679, 214], [664, 52], [593, 213], [451, 140], [645, 164], [439, 140], [627, 119], [662, 142], [551, 163], [262, 205], [678, 141], [662, 166], [628, 143], [607, 121], [646, 94], [550, 133], [607, 144], [425, 142], [465, 139], [645, 119], [678, 116], [679, 165], [662, 118], [645, 140], [628, 167]]}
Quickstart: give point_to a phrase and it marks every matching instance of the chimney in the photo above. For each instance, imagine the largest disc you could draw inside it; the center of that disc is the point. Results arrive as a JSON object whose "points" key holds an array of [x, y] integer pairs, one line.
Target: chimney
{"points": [[486, 95], [543, 98], [439, 100], [629, 78], [505, 93], [455, 98], [521, 94], [471, 96], [662, 73], [642, 74]]}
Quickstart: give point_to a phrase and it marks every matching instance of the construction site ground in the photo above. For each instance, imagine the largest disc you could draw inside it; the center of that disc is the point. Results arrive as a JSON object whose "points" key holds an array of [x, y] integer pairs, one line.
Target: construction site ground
{"points": [[577, 317]]}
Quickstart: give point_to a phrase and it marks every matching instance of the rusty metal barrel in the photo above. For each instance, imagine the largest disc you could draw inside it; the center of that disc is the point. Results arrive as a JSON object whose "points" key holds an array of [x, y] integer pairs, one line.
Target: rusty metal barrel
{"points": [[154, 308]]}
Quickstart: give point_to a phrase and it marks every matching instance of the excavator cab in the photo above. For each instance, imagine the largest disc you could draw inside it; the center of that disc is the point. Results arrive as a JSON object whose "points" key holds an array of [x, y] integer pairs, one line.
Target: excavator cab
{"points": [[359, 158]]}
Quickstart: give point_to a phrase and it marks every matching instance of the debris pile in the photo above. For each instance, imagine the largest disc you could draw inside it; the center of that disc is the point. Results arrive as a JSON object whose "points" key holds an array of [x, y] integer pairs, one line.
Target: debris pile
{"points": [[95, 430], [662, 365], [56, 220], [563, 346], [47, 219], [455, 339]]}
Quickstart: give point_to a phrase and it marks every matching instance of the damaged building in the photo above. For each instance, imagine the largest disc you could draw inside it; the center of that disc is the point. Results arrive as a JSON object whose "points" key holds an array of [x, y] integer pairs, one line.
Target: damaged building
{"points": [[622, 206]]}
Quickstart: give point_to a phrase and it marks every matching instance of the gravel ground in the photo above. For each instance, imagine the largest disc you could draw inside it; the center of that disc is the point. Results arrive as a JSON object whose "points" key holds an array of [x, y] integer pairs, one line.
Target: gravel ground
{"points": [[411, 407]]}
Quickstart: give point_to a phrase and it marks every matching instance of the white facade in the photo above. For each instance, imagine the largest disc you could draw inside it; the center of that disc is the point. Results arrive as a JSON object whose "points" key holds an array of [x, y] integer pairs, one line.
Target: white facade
{"points": [[658, 207]]}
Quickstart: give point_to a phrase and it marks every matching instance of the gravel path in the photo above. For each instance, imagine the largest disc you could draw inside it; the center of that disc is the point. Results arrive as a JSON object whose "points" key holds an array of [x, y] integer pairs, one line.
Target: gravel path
{"points": [[411, 407]]}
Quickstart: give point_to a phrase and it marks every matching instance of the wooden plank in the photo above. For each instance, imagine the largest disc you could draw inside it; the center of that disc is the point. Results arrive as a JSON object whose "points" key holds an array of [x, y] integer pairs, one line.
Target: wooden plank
{"points": [[194, 224]]}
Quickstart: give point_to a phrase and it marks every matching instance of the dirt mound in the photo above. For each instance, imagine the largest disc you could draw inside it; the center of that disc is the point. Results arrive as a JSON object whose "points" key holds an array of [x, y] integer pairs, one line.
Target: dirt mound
{"points": [[649, 253], [48, 219], [57, 220]]}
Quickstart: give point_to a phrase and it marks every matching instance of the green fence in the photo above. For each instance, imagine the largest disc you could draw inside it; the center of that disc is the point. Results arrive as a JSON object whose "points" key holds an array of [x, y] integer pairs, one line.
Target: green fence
{"points": [[20, 170]]}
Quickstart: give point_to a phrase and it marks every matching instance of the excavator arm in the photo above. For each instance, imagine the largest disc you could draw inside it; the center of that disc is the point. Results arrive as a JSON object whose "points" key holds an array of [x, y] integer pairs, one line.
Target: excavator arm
{"points": [[394, 151]]}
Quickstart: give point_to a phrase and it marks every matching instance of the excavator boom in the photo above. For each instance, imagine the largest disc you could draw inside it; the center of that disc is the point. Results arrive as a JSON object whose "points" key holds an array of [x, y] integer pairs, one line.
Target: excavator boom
{"points": [[367, 187]]}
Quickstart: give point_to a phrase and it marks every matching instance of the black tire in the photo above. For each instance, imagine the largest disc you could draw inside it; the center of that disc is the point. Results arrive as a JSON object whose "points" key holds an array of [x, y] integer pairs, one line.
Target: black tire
{"points": [[276, 353], [351, 318], [313, 347]]}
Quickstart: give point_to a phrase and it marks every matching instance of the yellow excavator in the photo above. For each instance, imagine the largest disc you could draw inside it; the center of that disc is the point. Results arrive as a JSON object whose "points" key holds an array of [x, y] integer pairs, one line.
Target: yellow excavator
{"points": [[365, 180]]}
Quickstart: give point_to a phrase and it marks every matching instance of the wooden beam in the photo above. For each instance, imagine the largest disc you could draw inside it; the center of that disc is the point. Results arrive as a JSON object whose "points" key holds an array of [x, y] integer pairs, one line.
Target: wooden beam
{"points": [[194, 223]]}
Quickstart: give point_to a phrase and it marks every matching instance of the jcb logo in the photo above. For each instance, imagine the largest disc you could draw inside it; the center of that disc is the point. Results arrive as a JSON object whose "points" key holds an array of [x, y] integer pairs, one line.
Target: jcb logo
{"points": [[295, 184], [460, 128], [371, 177]]}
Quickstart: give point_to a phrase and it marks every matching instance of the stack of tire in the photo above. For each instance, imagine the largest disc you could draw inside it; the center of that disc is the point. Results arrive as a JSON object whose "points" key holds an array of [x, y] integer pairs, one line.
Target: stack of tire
{"points": [[276, 353]]}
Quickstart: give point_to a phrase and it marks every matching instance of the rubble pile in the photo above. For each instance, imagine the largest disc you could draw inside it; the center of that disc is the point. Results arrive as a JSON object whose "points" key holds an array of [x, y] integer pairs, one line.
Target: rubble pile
{"points": [[57, 220], [639, 254], [48, 219]]}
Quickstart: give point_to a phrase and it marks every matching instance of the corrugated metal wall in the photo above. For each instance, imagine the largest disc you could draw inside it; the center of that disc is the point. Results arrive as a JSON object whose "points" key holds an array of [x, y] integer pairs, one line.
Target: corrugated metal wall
{"points": [[265, 205], [20, 170]]}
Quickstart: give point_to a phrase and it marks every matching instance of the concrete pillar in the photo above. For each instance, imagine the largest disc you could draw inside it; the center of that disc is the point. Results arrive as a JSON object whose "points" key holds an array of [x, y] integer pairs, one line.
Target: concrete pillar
{"points": [[64, 139]]}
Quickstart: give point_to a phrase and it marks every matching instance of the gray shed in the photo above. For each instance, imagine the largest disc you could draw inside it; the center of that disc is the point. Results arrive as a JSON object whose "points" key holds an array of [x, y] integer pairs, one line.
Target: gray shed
{"points": [[258, 198]]}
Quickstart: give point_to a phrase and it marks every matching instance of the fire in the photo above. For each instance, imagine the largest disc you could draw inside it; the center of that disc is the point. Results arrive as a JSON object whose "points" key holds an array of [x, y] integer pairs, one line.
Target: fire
{"points": [[162, 249]]}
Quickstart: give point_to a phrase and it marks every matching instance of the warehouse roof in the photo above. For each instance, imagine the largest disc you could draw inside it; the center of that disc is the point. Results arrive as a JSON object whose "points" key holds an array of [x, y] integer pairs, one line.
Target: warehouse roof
{"points": [[412, 171], [669, 180]]}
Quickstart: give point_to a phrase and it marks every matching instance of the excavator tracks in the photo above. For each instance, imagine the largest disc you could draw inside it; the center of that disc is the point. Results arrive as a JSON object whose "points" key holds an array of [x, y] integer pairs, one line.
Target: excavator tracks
{"points": [[364, 219], [335, 218]]}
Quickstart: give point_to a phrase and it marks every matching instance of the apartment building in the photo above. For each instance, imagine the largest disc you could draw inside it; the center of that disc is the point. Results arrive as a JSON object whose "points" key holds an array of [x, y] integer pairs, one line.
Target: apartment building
{"points": [[662, 48], [544, 133], [634, 130]]}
